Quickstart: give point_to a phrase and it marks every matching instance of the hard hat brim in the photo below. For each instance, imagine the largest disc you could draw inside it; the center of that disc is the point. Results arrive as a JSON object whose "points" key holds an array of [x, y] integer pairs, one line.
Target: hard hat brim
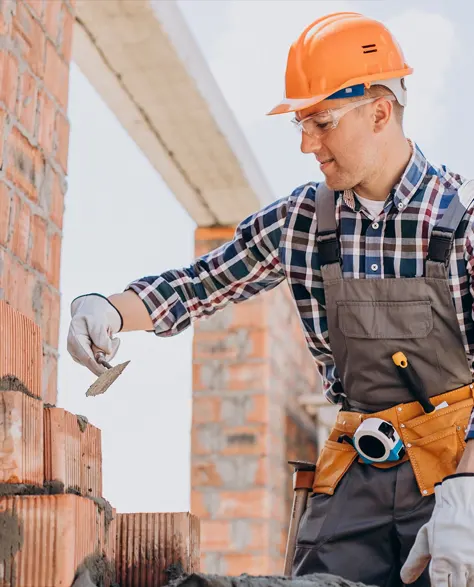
{"points": [[296, 104]]}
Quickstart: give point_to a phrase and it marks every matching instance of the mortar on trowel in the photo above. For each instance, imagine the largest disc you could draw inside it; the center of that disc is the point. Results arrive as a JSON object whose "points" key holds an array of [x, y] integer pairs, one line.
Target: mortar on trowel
{"points": [[104, 381]]}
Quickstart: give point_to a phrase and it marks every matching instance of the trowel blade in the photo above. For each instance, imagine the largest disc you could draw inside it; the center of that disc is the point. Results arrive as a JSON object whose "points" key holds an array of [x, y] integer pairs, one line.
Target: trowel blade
{"points": [[104, 381]]}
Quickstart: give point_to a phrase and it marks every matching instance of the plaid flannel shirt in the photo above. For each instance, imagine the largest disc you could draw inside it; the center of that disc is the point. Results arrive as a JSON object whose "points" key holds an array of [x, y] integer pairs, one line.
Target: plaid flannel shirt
{"points": [[278, 243]]}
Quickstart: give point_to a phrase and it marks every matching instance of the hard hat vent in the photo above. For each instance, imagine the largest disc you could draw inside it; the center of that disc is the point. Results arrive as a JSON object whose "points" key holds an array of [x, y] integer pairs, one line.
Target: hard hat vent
{"points": [[369, 48]]}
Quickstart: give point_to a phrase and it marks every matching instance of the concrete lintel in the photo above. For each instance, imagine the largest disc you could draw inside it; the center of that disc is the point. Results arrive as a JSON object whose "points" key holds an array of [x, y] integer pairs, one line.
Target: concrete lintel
{"points": [[146, 65]]}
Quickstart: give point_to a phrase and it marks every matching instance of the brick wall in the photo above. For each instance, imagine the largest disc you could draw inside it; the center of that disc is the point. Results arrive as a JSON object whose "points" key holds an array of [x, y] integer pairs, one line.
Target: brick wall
{"points": [[35, 50], [250, 361]]}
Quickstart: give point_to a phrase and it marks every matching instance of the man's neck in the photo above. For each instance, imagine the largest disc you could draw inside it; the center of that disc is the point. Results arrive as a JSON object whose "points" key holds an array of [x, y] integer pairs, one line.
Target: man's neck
{"points": [[389, 171]]}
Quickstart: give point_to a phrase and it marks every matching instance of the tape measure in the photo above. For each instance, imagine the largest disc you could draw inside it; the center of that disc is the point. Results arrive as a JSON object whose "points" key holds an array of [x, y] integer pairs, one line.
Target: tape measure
{"points": [[377, 441]]}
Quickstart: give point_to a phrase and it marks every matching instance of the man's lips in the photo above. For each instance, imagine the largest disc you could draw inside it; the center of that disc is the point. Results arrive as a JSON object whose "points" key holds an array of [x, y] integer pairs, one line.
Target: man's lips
{"points": [[324, 163]]}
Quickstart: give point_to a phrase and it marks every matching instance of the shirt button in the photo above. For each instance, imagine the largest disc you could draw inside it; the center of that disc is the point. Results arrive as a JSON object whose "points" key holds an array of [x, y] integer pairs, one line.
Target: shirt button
{"points": [[375, 225], [374, 267], [399, 205]]}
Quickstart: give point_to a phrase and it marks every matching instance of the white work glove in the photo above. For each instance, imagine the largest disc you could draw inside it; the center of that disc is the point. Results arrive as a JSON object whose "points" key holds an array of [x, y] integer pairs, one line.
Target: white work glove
{"points": [[94, 322], [446, 541]]}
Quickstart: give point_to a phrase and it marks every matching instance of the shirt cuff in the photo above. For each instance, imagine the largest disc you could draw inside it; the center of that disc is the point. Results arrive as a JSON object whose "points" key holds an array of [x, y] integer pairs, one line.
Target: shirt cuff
{"points": [[166, 309]]}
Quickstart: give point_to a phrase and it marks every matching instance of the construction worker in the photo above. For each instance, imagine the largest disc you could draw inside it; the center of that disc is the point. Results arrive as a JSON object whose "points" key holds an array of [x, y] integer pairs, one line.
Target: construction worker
{"points": [[379, 259]]}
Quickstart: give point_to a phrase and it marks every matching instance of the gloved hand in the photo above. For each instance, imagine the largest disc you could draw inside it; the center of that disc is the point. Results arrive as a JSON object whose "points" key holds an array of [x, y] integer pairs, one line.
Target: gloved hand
{"points": [[94, 322], [446, 541]]}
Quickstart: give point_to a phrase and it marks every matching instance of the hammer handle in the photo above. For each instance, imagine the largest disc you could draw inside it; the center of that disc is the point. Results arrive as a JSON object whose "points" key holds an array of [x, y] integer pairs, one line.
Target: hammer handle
{"points": [[300, 498]]}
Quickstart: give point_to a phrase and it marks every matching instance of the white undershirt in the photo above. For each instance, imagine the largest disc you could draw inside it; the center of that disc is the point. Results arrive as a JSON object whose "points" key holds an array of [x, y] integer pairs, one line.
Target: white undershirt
{"points": [[373, 206]]}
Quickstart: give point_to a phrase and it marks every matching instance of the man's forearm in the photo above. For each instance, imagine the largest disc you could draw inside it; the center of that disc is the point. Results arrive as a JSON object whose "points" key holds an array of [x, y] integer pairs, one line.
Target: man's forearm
{"points": [[466, 464], [134, 312]]}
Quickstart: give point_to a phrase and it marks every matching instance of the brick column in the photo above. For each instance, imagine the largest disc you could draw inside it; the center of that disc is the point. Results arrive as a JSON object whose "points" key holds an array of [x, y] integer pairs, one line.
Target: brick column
{"points": [[250, 362], [35, 50]]}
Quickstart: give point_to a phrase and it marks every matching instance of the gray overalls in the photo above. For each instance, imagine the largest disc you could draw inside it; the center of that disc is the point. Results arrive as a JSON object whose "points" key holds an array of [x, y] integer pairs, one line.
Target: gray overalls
{"points": [[364, 531]]}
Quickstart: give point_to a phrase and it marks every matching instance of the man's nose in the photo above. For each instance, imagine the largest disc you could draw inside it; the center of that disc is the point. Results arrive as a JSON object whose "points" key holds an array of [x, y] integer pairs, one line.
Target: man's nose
{"points": [[310, 144]]}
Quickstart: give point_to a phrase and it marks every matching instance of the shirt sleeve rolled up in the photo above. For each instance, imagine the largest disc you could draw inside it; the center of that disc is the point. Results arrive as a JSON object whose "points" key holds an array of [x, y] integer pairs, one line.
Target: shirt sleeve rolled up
{"points": [[239, 269]]}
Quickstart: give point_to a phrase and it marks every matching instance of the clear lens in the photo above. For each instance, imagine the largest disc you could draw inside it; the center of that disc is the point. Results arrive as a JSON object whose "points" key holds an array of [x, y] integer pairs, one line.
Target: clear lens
{"points": [[317, 124]]}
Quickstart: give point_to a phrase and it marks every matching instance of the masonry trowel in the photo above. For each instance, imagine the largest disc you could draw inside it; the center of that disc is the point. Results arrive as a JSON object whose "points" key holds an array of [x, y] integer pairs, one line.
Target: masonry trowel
{"points": [[104, 381]]}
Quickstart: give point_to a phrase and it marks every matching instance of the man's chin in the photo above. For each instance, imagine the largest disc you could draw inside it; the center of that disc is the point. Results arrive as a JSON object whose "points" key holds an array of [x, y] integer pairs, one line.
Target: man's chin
{"points": [[337, 186]]}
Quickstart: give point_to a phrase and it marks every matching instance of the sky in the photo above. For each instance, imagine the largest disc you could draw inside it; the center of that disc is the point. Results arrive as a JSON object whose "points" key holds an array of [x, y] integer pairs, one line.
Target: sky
{"points": [[121, 220]]}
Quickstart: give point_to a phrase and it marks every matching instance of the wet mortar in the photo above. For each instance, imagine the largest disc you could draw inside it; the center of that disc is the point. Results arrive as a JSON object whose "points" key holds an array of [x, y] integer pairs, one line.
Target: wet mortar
{"points": [[82, 422], [313, 580], [11, 534], [12, 383], [95, 571]]}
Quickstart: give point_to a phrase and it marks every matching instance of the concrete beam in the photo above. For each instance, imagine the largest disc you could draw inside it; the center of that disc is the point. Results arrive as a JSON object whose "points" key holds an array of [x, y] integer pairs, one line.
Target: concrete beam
{"points": [[142, 59]]}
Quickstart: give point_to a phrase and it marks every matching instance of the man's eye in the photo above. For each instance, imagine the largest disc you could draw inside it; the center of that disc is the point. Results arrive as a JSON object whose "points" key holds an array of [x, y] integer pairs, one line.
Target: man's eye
{"points": [[322, 125]]}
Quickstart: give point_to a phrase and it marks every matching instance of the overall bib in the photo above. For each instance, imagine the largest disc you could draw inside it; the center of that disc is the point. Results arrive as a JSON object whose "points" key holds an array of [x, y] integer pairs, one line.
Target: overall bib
{"points": [[362, 519]]}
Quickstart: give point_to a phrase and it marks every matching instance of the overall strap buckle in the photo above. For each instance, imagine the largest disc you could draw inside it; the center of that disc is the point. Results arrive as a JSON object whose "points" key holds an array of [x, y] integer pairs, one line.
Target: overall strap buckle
{"points": [[328, 248], [441, 245]]}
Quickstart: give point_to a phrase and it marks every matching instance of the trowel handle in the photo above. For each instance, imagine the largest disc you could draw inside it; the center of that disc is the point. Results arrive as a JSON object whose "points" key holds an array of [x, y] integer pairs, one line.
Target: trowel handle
{"points": [[100, 357]]}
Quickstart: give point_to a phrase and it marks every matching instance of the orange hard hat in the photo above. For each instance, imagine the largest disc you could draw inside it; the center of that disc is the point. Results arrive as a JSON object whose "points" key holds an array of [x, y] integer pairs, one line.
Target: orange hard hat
{"points": [[339, 55]]}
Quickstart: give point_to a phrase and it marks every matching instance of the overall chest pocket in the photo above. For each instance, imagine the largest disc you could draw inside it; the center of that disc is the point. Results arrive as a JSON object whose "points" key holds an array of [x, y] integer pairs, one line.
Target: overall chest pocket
{"points": [[385, 320]]}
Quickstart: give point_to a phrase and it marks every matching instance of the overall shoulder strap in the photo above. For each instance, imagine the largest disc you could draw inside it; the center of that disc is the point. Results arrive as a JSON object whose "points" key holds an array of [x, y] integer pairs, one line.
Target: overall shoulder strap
{"points": [[328, 243], [442, 235]]}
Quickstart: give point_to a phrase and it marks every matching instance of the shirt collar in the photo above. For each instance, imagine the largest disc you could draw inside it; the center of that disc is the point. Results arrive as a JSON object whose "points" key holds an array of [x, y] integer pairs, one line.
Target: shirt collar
{"points": [[403, 191]]}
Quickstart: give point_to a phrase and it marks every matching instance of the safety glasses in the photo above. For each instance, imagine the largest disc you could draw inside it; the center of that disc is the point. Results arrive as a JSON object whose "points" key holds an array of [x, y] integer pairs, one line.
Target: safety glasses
{"points": [[316, 125]]}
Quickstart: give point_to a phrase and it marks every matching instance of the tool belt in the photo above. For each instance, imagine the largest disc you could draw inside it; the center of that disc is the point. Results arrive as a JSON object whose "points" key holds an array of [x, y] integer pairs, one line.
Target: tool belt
{"points": [[434, 442]]}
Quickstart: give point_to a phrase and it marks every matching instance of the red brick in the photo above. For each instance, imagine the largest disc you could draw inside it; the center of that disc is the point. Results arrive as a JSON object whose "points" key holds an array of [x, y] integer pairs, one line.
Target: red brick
{"points": [[36, 6], [56, 77], [54, 259], [246, 440], [62, 130], [52, 19], [17, 284], [249, 376], [21, 227], [5, 18], [262, 474], [230, 440], [47, 118], [239, 563], [58, 533], [72, 452], [204, 474], [8, 80], [234, 377], [20, 341], [229, 536], [39, 242], [21, 440], [252, 314], [199, 507], [206, 409], [50, 379], [25, 164], [2, 133], [29, 38], [251, 503], [57, 201], [5, 205], [147, 544], [66, 33], [230, 344], [50, 312], [216, 536], [259, 411], [27, 101]]}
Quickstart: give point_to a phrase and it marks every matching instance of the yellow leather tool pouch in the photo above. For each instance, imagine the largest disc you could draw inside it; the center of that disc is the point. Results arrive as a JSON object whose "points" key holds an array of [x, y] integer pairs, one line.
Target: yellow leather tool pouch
{"points": [[434, 442]]}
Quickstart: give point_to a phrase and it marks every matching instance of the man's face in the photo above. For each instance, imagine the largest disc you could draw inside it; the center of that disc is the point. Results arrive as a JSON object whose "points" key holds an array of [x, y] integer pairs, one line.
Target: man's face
{"points": [[347, 153]]}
